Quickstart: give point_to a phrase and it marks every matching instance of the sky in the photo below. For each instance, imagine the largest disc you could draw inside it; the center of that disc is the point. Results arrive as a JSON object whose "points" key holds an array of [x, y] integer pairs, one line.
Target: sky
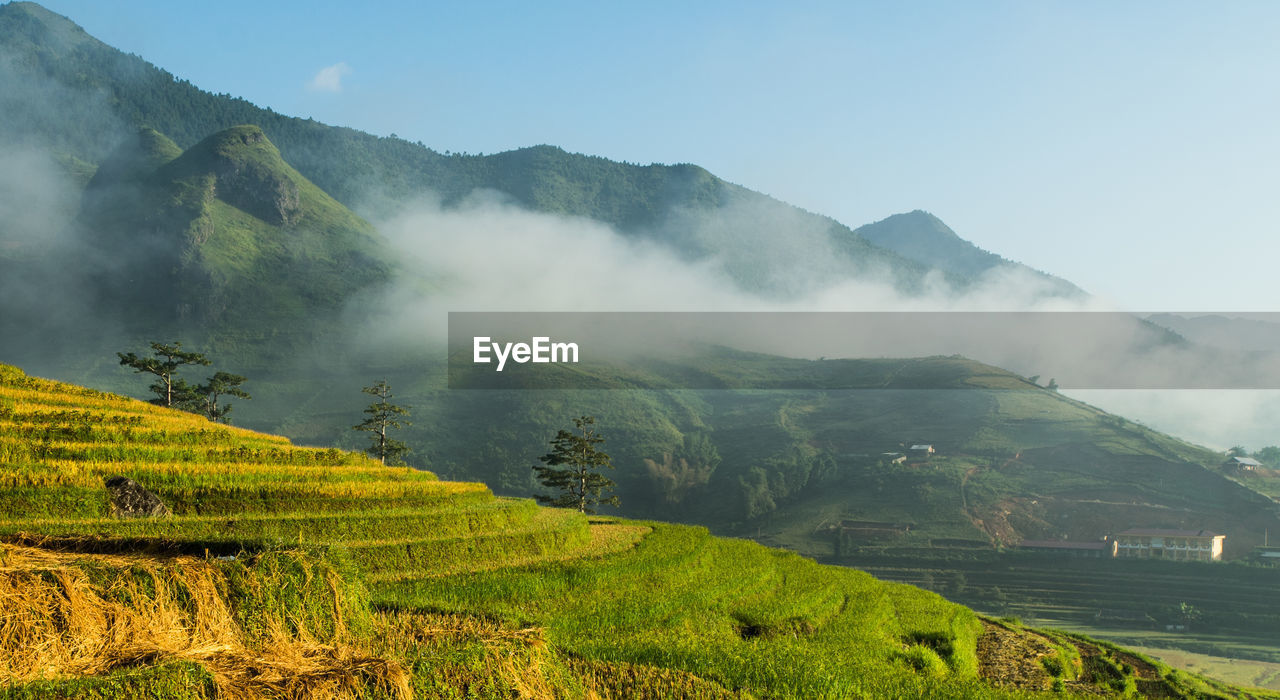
{"points": [[1129, 147]]}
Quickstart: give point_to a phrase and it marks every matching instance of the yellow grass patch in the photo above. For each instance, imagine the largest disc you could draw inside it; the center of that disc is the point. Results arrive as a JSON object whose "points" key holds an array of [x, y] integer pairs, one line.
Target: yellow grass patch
{"points": [[86, 473], [56, 396], [58, 624], [51, 397], [21, 557]]}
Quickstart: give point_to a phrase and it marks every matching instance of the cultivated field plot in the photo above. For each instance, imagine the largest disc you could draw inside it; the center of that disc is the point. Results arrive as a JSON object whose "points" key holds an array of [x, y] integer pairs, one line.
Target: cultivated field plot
{"points": [[297, 572]]}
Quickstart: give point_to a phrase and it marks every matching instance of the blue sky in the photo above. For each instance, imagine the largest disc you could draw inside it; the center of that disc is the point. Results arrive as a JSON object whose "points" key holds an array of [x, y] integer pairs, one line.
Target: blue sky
{"points": [[1129, 147]]}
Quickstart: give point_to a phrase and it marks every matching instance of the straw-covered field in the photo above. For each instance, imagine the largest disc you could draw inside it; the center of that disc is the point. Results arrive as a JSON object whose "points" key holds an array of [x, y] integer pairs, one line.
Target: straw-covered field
{"points": [[296, 572]]}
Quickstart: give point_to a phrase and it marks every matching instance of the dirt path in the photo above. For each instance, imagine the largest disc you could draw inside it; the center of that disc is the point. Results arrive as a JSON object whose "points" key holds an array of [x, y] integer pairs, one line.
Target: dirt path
{"points": [[1011, 659], [964, 500]]}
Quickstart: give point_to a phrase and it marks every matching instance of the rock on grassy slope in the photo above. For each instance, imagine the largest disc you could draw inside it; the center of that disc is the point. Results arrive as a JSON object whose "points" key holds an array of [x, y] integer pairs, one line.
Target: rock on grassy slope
{"points": [[302, 572]]}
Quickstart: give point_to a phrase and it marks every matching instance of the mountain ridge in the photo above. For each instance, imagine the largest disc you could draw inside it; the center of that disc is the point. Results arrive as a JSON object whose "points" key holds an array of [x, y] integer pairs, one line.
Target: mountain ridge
{"points": [[381, 174]]}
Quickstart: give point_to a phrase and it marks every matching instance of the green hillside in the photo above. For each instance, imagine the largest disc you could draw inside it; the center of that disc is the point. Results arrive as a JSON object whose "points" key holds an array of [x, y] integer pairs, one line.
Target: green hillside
{"points": [[1013, 460], [198, 239], [290, 572]]}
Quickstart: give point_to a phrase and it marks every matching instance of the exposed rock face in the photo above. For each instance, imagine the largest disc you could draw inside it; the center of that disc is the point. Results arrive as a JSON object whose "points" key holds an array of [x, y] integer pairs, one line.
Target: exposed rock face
{"points": [[258, 191], [129, 499]]}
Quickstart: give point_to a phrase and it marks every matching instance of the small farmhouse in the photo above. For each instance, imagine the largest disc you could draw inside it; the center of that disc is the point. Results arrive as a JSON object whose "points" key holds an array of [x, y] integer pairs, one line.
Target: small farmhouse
{"points": [[1192, 545], [1243, 464], [922, 449]]}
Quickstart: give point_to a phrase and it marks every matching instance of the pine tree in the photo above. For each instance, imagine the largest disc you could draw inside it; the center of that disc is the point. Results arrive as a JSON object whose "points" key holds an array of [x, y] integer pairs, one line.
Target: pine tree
{"points": [[383, 416], [215, 387], [573, 468], [171, 391]]}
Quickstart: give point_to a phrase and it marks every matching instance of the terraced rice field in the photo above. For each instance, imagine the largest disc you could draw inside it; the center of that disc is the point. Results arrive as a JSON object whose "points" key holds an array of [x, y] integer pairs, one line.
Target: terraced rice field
{"points": [[230, 488], [287, 571]]}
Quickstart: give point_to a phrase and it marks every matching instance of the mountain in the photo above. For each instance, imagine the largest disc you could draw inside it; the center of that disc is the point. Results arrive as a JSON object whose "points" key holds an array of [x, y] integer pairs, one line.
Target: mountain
{"points": [[78, 97], [186, 225], [200, 238], [922, 237], [222, 244]]}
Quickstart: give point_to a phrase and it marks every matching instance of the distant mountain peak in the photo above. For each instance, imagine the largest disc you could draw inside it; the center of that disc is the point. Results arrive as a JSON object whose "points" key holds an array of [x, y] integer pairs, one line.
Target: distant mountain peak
{"points": [[923, 237], [918, 235], [251, 175]]}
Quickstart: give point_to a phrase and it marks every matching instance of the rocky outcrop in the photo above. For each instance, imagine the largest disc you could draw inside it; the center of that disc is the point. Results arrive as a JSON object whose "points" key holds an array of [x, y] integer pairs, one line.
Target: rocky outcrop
{"points": [[257, 190], [129, 499]]}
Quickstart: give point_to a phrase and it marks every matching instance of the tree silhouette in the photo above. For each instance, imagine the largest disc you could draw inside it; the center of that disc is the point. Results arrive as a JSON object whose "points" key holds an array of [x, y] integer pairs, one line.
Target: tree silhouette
{"points": [[170, 390], [383, 416], [215, 387], [573, 468]]}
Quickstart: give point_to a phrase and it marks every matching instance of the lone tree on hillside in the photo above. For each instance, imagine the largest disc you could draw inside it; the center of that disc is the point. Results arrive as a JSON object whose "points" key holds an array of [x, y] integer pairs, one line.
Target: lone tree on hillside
{"points": [[573, 468], [220, 384], [383, 416], [170, 390], [173, 391]]}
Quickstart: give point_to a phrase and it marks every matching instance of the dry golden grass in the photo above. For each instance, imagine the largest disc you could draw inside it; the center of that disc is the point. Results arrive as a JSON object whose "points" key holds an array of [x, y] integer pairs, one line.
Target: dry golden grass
{"points": [[24, 557], [56, 623]]}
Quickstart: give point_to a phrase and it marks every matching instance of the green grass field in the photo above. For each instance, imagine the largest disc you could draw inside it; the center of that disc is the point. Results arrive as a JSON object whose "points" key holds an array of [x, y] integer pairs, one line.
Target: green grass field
{"points": [[302, 572]]}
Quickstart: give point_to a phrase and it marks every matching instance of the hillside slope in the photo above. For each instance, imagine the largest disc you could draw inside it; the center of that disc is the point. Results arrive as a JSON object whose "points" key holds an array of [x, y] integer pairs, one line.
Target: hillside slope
{"points": [[199, 239], [1012, 460], [471, 595]]}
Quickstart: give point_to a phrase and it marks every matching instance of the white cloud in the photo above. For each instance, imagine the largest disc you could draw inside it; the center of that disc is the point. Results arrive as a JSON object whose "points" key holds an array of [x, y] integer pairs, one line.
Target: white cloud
{"points": [[487, 253], [329, 78]]}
